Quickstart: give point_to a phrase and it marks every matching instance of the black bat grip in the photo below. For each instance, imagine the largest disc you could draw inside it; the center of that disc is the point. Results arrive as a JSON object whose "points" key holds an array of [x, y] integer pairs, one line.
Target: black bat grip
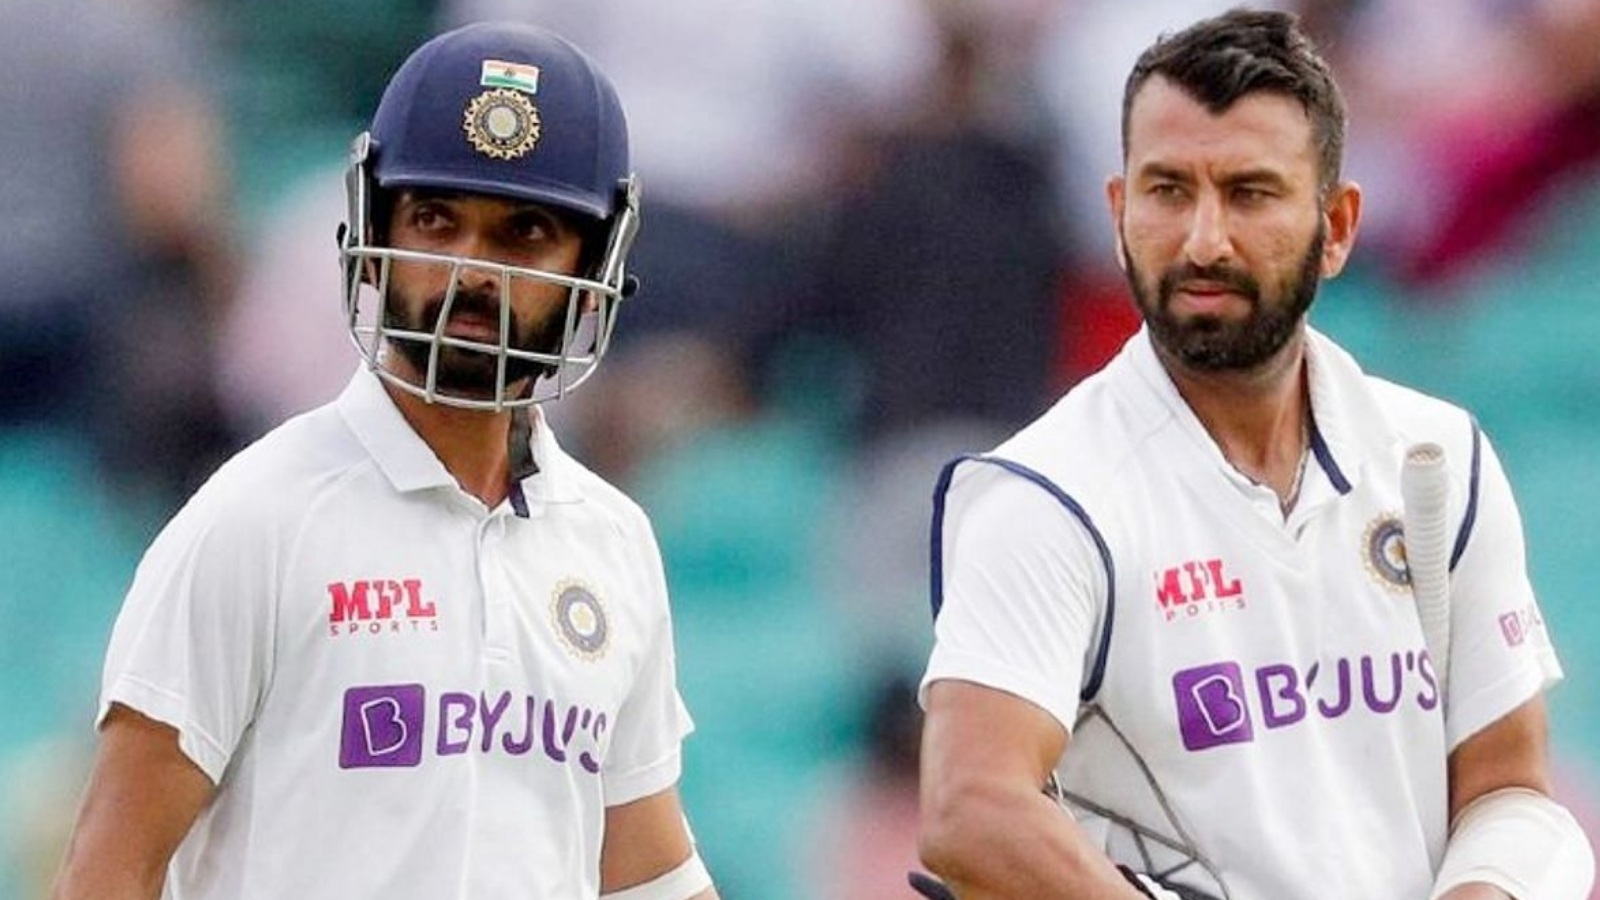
{"points": [[929, 887]]}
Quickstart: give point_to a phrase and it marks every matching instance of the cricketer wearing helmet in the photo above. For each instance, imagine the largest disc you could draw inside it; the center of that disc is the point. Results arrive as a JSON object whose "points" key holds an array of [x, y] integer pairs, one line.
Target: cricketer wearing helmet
{"points": [[404, 645]]}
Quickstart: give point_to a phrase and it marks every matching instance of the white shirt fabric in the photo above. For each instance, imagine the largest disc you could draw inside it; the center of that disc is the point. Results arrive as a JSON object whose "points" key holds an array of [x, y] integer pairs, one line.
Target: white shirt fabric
{"points": [[1263, 679], [399, 692]]}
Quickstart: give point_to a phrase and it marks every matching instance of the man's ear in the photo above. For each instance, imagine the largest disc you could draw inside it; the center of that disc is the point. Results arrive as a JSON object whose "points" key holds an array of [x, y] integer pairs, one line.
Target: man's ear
{"points": [[1342, 218], [1116, 199]]}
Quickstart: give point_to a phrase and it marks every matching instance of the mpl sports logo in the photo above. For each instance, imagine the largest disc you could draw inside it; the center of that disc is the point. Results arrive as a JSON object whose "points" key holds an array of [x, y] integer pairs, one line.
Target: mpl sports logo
{"points": [[388, 726], [1195, 588], [379, 606], [1221, 704]]}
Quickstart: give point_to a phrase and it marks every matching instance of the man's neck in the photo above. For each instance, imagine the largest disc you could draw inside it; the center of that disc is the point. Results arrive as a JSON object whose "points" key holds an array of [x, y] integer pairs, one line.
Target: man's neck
{"points": [[1259, 419], [473, 445]]}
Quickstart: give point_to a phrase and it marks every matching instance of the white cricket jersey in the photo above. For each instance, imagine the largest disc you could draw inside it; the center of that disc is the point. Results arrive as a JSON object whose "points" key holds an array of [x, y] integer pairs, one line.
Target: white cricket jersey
{"points": [[399, 692], [1108, 565]]}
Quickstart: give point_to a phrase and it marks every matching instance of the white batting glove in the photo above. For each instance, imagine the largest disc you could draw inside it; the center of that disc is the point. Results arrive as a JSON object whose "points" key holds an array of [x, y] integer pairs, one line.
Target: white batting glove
{"points": [[1152, 888]]}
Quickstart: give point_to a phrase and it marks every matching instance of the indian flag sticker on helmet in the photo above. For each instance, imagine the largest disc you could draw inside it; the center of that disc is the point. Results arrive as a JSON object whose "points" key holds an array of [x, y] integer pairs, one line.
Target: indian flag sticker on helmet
{"points": [[502, 124], [580, 620], [517, 76]]}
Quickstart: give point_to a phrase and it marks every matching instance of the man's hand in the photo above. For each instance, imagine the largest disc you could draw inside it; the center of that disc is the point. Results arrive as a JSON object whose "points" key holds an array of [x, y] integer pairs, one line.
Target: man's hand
{"points": [[934, 889]]}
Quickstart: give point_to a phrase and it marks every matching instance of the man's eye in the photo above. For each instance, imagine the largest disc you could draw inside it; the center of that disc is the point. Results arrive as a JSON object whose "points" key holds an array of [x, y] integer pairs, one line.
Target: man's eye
{"points": [[531, 231], [428, 218]]}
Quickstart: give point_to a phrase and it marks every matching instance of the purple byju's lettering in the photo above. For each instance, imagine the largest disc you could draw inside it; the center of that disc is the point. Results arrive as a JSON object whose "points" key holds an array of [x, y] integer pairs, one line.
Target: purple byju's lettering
{"points": [[1281, 701], [1217, 706], [385, 726], [1516, 626]]}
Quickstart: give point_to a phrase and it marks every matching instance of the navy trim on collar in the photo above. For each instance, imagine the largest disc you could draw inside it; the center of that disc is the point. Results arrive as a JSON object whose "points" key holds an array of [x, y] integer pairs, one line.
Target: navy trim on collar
{"points": [[1319, 449], [519, 500]]}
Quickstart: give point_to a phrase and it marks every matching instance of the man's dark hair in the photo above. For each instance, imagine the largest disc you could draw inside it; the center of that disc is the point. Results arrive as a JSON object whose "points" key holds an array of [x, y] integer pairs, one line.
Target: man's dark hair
{"points": [[1219, 60]]}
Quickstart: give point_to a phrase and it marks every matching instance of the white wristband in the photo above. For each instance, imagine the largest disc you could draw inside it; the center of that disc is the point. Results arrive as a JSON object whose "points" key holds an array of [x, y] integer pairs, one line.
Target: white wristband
{"points": [[1521, 842], [687, 880]]}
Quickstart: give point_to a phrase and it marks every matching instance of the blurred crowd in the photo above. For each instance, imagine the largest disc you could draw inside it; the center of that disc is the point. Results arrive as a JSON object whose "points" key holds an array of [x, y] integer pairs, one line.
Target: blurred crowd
{"points": [[874, 238]]}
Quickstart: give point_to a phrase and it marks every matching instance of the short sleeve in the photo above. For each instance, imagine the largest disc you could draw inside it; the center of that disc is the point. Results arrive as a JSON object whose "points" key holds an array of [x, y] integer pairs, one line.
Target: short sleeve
{"points": [[1500, 653], [1023, 592], [644, 757], [192, 644]]}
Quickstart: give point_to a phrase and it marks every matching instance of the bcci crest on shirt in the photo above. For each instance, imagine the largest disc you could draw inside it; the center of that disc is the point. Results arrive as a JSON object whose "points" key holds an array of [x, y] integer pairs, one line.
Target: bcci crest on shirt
{"points": [[580, 620], [1383, 552]]}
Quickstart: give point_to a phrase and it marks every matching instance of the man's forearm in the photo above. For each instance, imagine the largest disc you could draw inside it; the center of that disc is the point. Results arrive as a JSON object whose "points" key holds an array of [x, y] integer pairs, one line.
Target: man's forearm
{"points": [[83, 878], [991, 843]]}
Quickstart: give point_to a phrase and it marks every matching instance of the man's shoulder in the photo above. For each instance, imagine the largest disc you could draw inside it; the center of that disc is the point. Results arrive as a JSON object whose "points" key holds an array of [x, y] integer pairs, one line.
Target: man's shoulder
{"points": [[601, 497], [1412, 407], [1410, 415], [1089, 435], [277, 476]]}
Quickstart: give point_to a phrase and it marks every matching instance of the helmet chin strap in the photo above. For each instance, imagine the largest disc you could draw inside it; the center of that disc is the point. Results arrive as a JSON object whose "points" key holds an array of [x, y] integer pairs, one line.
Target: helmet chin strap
{"points": [[520, 448]]}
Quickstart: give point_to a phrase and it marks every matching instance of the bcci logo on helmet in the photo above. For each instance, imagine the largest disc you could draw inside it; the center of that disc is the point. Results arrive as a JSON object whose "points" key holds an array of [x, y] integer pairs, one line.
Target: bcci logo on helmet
{"points": [[502, 124]]}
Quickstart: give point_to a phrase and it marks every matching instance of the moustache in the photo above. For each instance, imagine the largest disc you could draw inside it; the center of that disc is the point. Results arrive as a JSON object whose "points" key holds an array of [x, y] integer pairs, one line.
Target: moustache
{"points": [[473, 303], [1228, 278]]}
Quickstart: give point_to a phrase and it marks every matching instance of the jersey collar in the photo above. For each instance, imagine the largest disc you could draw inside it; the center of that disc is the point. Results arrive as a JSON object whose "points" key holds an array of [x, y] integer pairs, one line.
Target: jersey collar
{"points": [[1346, 414], [407, 460], [1339, 406], [552, 480], [410, 464]]}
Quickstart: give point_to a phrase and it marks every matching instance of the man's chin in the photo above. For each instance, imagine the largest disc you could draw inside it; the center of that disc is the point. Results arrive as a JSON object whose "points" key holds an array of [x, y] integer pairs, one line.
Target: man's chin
{"points": [[1204, 343]]}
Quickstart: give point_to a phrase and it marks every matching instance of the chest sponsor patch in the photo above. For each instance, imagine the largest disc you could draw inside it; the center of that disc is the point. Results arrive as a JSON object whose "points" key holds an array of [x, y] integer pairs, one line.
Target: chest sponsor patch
{"points": [[1224, 703], [377, 606], [1197, 587], [396, 726]]}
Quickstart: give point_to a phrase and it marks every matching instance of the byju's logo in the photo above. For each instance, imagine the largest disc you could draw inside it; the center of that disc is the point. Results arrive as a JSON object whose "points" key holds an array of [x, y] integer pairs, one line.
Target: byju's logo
{"points": [[387, 726], [1211, 706], [1220, 704], [1517, 626], [382, 727]]}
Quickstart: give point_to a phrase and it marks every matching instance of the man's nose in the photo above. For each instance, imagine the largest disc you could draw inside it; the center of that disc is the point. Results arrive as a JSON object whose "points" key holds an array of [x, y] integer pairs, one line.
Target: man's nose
{"points": [[477, 272], [1208, 241]]}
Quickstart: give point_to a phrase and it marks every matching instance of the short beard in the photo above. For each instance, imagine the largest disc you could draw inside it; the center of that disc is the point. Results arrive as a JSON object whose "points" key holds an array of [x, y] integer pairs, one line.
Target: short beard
{"points": [[471, 373], [1211, 344]]}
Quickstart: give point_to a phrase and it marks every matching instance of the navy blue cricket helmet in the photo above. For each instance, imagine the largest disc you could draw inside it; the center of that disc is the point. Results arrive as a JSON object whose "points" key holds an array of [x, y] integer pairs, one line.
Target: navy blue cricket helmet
{"points": [[507, 110]]}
